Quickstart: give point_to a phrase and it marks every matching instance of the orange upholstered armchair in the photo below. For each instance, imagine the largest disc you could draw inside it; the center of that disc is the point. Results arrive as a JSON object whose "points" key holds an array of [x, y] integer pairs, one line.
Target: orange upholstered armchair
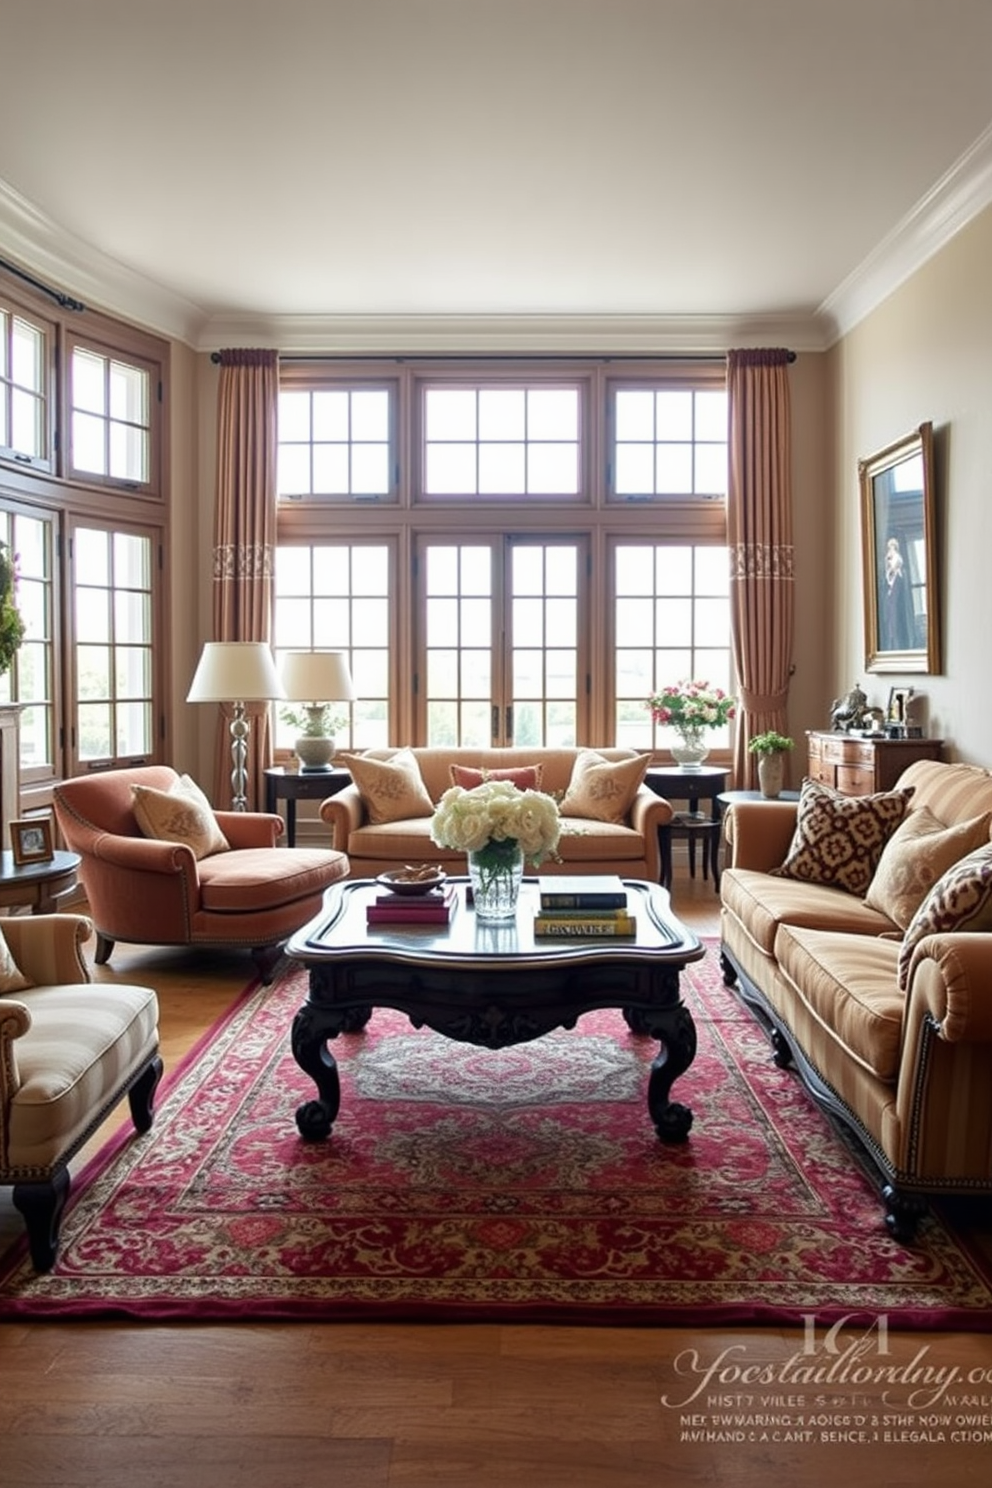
{"points": [[157, 892]]}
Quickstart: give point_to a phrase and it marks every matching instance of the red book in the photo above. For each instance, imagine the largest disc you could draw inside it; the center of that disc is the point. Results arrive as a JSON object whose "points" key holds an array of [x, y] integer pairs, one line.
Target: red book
{"points": [[433, 908]]}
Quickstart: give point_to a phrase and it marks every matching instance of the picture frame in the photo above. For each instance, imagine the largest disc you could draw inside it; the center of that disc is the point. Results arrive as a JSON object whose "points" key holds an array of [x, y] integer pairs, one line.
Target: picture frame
{"points": [[31, 840], [899, 552], [897, 711]]}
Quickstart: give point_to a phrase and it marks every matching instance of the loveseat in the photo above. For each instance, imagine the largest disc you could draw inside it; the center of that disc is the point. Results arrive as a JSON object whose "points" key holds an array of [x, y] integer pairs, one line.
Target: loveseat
{"points": [[617, 832], [878, 992]]}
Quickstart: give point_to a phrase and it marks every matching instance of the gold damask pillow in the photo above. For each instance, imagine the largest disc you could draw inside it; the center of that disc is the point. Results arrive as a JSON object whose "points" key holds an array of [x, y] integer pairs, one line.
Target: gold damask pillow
{"points": [[919, 851], [602, 789], [392, 789], [180, 814], [838, 840]]}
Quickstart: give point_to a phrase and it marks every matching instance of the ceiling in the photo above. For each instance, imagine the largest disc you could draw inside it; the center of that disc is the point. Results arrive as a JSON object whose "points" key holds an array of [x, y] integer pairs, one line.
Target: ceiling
{"points": [[589, 174]]}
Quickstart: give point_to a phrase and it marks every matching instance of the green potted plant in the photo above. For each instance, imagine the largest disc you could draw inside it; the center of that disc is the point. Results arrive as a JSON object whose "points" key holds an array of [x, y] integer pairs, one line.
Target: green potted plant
{"points": [[771, 749], [11, 623]]}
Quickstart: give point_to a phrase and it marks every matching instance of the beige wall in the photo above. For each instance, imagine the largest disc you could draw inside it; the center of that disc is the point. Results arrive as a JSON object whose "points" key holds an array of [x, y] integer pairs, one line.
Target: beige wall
{"points": [[926, 354]]}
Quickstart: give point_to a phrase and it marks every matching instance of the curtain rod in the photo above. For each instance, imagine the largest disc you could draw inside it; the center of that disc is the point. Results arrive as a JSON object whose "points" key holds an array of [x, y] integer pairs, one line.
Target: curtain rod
{"points": [[66, 301], [502, 356]]}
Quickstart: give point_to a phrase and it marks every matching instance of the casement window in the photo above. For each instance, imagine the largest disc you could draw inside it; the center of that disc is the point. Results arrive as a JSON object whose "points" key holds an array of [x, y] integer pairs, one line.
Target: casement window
{"points": [[113, 438], [337, 444], [559, 533], [26, 358], [31, 680]]}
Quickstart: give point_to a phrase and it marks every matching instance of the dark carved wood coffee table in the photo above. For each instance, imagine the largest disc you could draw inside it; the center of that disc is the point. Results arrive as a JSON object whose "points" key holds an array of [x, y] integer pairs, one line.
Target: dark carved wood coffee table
{"points": [[491, 985]]}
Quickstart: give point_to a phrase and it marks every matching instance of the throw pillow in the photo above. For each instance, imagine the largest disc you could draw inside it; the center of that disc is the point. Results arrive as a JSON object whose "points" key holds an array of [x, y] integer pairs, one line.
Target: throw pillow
{"points": [[180, 814], [602, 789], [12, 978], [392, 789], [839, 839], [524, 777], [919, 851], [960, 900]]}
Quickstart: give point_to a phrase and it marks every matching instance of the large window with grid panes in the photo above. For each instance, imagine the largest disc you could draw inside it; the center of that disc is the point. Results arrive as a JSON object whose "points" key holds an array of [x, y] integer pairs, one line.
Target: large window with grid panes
{"points": [[507, 552], [82, 512]]}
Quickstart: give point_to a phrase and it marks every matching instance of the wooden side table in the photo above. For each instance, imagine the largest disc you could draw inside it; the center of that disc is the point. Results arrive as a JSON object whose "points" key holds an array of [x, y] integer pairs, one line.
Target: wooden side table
{"points": [[305, 785], [38, 885], [692, 786]]}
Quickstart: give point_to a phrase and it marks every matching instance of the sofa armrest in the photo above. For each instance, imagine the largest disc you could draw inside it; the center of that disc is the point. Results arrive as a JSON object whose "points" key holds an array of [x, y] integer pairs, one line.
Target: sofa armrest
{"points": [[15, 1020], [48, 948], [250, 828], [648, 812], [343, 813], [758, 833], [950, 975]]}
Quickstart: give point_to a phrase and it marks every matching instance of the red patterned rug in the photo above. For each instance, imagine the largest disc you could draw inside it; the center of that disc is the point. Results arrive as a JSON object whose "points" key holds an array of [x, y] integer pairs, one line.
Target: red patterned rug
{"points": [[461, 1184]]}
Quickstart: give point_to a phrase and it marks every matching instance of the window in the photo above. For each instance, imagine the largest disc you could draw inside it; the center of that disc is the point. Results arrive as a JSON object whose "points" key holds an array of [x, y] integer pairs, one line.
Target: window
{"points": [[336, 442], [337, 597], [111, 418], [669, 441], [31, 678], [501, 441], [24, 362], [113, 644]]}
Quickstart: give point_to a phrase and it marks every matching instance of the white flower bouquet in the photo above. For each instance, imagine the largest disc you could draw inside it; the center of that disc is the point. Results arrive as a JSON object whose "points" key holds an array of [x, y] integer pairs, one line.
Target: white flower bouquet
{"points": [[497, 814]]}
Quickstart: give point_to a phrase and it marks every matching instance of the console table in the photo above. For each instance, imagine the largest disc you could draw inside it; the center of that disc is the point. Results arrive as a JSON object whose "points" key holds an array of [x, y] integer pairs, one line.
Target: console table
{"points": [[857, 766], [303, 785], [692, 786]]}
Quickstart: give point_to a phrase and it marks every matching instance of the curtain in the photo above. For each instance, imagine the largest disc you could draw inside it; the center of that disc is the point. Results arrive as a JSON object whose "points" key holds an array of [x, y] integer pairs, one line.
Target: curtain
{"points": [[759, 533], [245, 535]]}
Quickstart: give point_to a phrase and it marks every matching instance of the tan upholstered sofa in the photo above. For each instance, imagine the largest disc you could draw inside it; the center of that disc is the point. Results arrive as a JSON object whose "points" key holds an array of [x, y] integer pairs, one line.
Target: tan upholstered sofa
{"points": [[907, 1069], [629, 847]]}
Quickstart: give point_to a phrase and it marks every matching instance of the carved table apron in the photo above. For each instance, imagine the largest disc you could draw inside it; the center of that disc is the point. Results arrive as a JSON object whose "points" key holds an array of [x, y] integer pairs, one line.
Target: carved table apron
{"points": [[491, 985]]}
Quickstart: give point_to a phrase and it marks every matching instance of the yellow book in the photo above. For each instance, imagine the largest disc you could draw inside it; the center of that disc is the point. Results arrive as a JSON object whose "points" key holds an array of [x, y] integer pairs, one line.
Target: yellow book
{"points": [[581, 926]]}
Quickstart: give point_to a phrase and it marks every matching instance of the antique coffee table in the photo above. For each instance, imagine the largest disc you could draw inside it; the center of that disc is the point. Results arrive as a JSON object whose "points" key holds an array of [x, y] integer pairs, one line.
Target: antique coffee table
{"points": [[491, 985]]}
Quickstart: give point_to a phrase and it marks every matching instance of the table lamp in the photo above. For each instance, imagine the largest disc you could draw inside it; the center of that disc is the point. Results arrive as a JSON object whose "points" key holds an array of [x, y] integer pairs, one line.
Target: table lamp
{"points": [[236, 672], [316, 679]]}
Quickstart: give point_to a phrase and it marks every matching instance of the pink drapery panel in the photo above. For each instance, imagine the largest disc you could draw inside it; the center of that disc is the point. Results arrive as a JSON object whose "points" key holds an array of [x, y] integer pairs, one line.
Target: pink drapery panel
{"points": [[245, 535], [759, 534]]}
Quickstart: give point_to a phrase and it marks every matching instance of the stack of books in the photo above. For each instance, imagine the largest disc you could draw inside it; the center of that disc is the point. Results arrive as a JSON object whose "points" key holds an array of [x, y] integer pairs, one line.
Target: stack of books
{"points": [[583, 905], [433, 908]]}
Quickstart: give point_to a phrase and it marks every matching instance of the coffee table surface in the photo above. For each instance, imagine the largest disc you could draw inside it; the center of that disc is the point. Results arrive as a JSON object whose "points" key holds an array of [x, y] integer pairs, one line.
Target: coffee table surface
{"points": [[340, 931]]}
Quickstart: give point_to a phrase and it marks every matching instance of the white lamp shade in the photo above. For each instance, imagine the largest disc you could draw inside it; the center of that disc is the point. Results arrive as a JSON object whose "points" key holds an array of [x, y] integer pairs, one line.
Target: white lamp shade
{"points": [[317, 677], [235, 672]]}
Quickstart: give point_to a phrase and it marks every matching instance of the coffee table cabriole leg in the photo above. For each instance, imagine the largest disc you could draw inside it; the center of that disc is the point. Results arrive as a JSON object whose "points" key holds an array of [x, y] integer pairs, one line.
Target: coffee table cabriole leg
{"points": [[312, 1027], [671, 1024]]}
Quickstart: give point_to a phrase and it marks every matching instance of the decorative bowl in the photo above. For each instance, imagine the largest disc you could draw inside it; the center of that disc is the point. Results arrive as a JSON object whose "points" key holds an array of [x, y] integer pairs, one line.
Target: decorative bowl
{"points": [[402, 881]]}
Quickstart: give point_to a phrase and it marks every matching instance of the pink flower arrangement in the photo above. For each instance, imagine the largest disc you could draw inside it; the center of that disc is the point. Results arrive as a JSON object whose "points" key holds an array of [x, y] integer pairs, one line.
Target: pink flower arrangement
{"points": [[691, 705]]}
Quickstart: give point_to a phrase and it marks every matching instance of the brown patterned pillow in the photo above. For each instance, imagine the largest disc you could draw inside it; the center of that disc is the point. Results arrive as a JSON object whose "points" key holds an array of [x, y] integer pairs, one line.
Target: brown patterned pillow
{"points": [[601, 789], [915, 856], [839, 839], [392, 789], [960, 900], [180, 814], [524, 777]]}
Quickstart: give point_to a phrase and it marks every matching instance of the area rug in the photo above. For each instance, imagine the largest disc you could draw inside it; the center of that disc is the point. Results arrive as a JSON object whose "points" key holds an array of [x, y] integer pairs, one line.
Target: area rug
{"points": [[461, 1184]]}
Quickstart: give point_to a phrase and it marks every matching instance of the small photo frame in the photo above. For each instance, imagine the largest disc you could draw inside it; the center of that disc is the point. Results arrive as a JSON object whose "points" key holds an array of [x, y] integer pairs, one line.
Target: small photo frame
{"points": [[898, 704], [31, 840]]}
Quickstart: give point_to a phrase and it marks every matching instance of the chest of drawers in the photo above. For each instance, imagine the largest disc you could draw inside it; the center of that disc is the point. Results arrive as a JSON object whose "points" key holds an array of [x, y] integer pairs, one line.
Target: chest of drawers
{"points": [[859, 767]]}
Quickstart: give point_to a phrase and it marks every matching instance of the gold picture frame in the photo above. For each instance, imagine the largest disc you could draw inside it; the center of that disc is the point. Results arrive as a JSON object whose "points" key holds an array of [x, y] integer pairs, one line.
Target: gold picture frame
{"points": [[31, 840], [899, 550]]}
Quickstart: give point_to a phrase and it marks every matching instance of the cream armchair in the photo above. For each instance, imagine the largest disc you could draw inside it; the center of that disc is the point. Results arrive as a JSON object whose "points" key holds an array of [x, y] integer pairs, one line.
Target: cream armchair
{"points": [[70, 1049]]}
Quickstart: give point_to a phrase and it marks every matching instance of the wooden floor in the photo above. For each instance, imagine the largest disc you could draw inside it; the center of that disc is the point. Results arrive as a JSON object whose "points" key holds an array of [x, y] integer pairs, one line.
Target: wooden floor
{"points": [[108, 1405]]}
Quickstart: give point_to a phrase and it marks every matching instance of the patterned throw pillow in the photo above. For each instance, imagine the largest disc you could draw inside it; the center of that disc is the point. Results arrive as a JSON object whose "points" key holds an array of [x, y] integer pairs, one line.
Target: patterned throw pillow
{"points": [[524, 777], [602, 789], [12, 978], [180, 814], [838, 839], [392, 789], [960, 900], [918, 852]]}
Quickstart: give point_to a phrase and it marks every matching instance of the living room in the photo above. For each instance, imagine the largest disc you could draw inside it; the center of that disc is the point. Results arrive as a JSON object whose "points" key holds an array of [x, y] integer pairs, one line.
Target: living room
{"points": [[902, 341]]}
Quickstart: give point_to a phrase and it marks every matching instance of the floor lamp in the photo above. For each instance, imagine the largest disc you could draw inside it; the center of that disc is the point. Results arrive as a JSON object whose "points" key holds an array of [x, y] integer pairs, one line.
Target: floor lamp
{"points": [[236, 672]]}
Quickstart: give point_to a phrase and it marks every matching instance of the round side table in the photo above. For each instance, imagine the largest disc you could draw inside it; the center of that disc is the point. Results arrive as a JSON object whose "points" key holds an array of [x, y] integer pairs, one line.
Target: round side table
{"points": [[38, 885]]}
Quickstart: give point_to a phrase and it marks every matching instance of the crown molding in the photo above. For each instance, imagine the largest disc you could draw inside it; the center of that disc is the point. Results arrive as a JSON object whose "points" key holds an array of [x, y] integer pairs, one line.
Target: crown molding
{"points": [[956, 199]]}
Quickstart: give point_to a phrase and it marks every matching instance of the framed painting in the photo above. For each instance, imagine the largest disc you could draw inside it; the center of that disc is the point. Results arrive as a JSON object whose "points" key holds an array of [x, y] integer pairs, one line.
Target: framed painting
{"points": [[898, 523]]}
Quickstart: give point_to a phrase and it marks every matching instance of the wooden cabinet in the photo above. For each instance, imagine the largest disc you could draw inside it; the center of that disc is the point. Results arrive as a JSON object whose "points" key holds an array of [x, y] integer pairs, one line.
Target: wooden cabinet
{"points": [[860, 766]]}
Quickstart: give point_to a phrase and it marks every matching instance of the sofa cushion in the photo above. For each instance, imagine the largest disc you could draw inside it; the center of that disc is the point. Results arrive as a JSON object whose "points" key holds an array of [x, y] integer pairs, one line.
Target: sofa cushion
{"points": [[838, 840], [392, 789], [761, 903], [849, 983], [602, 789], [261, 878], [960, 900], [524, 777], [12, 978], [919, 851], [180, 814]]}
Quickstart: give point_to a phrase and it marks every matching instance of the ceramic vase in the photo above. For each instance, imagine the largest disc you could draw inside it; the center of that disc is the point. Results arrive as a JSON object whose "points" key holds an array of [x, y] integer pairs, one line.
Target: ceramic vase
{"points": [[771, 772]]}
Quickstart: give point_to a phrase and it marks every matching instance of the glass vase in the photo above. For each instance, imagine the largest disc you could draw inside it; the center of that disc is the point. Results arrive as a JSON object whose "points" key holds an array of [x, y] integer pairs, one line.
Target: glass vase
{"points": [[495, 872], [691, 749]]}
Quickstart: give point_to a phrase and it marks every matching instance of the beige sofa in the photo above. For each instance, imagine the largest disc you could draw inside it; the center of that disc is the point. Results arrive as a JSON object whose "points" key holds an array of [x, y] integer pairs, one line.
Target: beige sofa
{"points": [[908, 1071], [588, 845]]}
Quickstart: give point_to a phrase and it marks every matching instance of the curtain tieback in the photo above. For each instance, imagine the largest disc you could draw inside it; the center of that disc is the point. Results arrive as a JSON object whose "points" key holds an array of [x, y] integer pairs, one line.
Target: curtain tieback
{"points": [[764, 702]]}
